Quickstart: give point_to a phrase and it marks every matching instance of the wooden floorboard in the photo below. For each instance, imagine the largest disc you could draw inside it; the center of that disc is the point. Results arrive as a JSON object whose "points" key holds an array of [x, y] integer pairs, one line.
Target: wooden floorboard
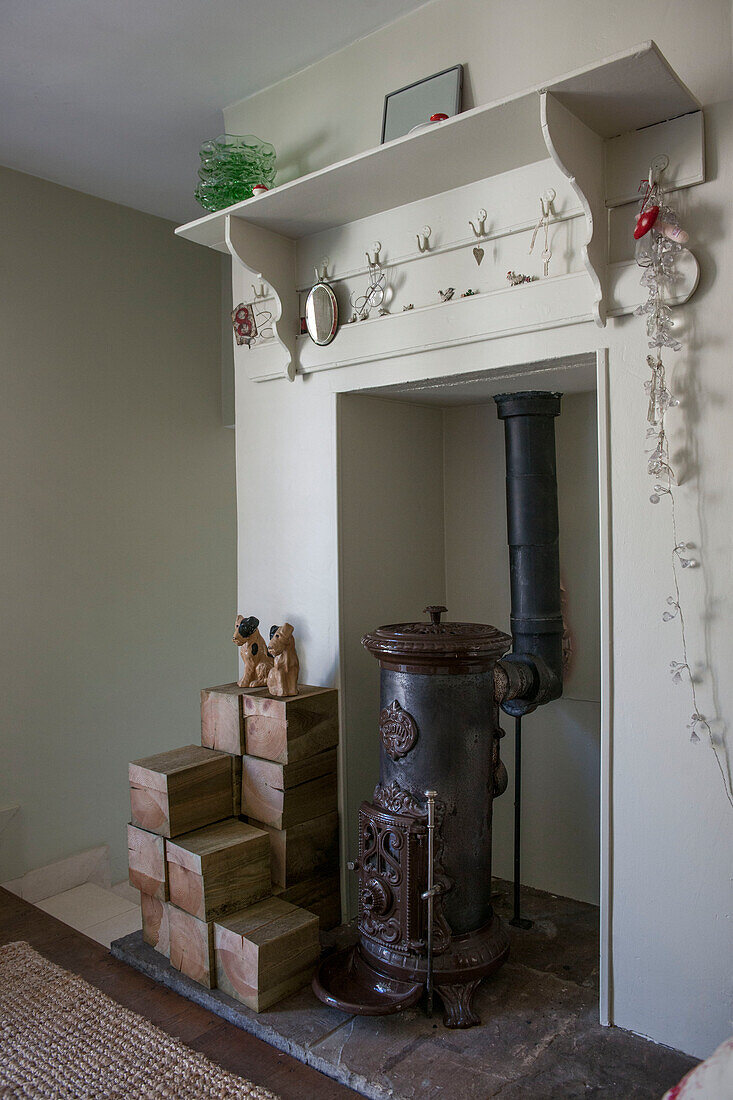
{"points": [[201, 1030]]}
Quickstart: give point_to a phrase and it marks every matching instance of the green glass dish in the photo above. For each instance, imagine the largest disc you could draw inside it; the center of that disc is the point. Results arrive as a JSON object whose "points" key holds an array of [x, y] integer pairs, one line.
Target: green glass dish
{"points": [[231, 165]]}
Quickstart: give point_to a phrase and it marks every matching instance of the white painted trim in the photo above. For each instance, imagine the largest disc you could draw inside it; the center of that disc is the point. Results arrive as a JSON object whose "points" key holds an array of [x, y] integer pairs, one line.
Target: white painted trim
{"points": [[625, 292], [566, 137], [497, 314], [343, 772], [605, 1000]]}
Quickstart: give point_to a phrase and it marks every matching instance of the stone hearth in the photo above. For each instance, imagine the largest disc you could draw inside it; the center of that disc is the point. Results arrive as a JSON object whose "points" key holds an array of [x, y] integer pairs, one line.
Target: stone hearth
{"points": [[540, 1037]]}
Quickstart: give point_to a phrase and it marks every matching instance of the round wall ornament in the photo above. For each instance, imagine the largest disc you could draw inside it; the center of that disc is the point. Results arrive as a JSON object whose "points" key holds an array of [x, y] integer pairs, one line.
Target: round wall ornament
{"points": [[398, 730]]}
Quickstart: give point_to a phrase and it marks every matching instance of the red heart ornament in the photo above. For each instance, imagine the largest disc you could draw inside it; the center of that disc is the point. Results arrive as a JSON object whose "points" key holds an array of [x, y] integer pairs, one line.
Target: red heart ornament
{"points": [[645, 222]]}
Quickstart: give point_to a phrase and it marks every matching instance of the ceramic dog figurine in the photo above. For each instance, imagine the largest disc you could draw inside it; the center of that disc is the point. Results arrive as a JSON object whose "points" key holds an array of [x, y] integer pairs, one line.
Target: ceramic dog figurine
{"points": [[283, 678], [256, 660]]}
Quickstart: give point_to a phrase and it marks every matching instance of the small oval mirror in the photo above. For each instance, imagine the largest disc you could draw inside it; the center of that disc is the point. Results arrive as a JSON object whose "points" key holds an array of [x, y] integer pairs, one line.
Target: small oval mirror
{"points": [[321, 314]]}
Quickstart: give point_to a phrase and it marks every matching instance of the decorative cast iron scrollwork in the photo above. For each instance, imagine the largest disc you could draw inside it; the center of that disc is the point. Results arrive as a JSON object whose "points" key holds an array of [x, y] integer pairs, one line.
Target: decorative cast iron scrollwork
{"points": [[393, 872], [376, 896], [394, 798], [398, 730]]}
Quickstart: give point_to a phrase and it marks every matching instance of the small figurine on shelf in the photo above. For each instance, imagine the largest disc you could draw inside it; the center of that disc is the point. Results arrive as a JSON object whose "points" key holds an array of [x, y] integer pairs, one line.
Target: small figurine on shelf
{"points": [[446, 295], [255, 656], [283, 678], [516, 279]]}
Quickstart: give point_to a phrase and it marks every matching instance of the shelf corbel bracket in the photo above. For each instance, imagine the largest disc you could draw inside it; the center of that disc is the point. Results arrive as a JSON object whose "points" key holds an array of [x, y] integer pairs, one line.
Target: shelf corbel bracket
{"points": [[578, 153], [260, 254]]}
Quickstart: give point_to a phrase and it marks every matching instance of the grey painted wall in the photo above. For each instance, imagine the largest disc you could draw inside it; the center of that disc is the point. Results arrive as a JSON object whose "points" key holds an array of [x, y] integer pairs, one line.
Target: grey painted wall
{"points": [[118, 578]]}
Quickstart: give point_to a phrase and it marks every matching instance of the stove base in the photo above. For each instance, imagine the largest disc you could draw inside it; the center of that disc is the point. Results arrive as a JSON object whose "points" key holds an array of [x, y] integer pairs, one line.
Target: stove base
{"points": [[347, 982], [373, 980]]}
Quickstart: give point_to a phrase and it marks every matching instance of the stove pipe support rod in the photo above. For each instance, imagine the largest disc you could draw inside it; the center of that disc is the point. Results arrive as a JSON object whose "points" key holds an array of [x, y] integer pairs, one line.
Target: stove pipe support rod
{"points": [[532, 673], [430, 893]]}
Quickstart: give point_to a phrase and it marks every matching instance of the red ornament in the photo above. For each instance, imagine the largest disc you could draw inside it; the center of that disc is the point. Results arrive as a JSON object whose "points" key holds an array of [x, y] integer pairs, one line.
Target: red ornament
{"points": [[243, 322], [645, 221], [438, 118]]}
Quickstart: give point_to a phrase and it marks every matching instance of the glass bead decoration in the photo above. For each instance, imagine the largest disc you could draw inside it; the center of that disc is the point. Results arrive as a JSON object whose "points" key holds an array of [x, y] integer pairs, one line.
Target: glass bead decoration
{"points": [[231, 165]]}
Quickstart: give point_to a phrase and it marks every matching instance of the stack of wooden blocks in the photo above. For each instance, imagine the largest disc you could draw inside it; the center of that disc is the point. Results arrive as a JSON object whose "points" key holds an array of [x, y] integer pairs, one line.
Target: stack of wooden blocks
{"points": [[234, 844]]}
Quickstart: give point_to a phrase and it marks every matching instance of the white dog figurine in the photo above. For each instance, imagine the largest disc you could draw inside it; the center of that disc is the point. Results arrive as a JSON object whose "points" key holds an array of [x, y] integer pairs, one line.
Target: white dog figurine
{"points": [[257, 661], [283, 678]]}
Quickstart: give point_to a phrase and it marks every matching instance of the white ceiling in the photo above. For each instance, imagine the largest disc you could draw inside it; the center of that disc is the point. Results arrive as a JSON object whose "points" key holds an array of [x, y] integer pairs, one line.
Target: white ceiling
{"points": [[114, 97]]}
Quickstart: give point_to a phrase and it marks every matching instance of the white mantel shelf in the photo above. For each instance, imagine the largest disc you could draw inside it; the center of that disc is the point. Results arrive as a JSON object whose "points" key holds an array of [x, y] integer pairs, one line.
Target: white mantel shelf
{"points": [[630, 91], [571, 118]]}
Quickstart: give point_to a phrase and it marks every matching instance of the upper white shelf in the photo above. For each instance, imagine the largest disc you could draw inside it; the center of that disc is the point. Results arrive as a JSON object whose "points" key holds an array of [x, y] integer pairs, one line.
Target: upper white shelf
{"points": [[629, 91]]}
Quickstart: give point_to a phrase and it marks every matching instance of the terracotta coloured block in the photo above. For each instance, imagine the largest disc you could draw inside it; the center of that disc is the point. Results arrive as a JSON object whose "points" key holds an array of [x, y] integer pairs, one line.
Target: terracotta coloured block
{"points": [[156, 924], [291, 729], [177, 791], [146, 861], [282, 795], [219, 869], [302, 851], [192, 946], [265, 952]]}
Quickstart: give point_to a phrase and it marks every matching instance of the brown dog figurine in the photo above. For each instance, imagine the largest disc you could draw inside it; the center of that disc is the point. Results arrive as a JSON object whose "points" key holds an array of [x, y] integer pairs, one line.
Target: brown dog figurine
{"points": [[257, 661], [283, 678]]}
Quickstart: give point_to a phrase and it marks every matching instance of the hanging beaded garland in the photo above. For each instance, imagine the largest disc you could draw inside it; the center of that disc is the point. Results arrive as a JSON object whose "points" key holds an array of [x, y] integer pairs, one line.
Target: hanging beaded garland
{"points": [[659, 240]]}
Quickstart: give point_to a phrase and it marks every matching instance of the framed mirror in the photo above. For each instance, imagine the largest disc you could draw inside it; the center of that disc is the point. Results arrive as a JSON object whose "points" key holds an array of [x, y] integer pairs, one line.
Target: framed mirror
{"points": [[321, 314], [414, 104]]}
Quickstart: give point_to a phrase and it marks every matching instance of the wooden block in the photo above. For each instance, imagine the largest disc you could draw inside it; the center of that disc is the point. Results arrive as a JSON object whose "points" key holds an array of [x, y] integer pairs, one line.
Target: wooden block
{"points": [[219, 869], [184, 789], [303, 851], [265, 952], [192, 946], [146, 862], [282, 795], [290, 729], [236, 786], [320, 895], [222, 718], [156, 923]]}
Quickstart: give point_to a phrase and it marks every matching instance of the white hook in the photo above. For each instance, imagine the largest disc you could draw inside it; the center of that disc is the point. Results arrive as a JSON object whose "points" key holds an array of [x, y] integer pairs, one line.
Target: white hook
{"points": [[481, 231], [261, 293], [546, 202], [322, 270], [658, 165], [377, 248], [424, 244]]}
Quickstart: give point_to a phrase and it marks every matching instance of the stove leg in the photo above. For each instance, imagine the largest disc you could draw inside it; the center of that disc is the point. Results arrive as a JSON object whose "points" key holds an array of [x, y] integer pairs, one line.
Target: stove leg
{"points": [[457, 1003]]}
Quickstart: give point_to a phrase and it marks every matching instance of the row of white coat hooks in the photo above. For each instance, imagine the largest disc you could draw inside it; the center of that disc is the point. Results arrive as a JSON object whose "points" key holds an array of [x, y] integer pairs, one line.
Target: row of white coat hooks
{"points": [[479, 232], [260, 319]]}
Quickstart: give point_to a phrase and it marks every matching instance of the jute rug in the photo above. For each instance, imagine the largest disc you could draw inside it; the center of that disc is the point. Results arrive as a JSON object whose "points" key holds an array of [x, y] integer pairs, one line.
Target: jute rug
{"points": [[60, 1038]]}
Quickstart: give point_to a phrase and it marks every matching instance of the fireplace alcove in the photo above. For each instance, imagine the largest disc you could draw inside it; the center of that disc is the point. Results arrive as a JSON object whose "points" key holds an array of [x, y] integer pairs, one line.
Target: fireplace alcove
{"points": [[313, 463], [422, 519]]}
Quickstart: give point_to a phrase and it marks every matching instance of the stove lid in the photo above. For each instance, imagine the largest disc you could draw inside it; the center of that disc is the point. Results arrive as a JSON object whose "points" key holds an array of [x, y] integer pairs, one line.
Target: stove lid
{"points": [[435, 647]]}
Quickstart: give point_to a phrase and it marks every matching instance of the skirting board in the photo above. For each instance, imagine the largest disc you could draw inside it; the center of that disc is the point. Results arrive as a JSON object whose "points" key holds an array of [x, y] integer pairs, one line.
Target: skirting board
{"points": [[91, 865]]}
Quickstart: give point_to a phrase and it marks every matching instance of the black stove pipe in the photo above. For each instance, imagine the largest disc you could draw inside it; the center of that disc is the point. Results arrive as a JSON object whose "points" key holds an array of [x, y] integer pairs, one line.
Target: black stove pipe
{"points": [[532, 673]]}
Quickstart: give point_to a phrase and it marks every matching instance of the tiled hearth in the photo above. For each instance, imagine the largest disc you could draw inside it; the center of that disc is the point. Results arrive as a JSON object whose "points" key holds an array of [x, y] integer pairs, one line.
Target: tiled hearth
{"points": [[540, 1037]]}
